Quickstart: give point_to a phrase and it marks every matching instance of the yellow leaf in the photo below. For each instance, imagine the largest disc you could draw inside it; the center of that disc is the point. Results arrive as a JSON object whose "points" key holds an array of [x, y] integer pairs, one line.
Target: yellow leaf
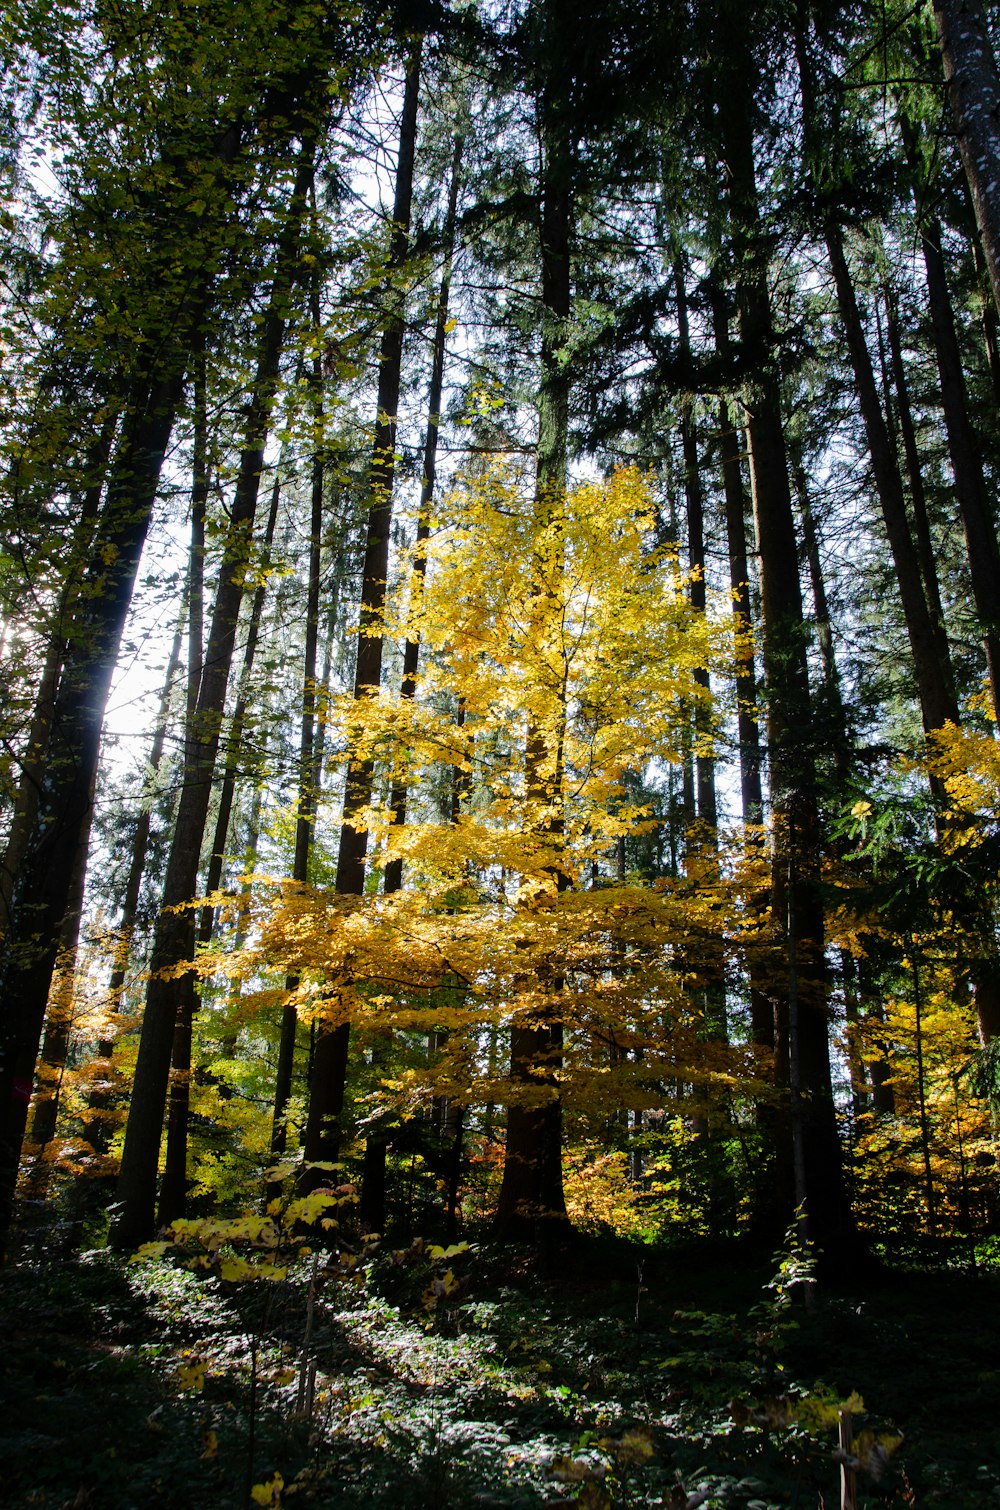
{"points": [[236, 1270], [436, 1253], [268, 1493], [150, 1250], [210, 1444], [191, 1375], [309, 1208]]}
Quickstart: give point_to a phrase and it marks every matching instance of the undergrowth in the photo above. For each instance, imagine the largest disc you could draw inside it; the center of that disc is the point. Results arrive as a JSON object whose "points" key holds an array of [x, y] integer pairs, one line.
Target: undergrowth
{"points": [[603, 1375]]}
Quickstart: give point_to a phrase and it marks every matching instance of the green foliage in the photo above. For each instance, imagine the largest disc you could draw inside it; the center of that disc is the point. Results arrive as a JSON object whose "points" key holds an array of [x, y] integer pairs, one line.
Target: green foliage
{"points": [[570, 1374]]}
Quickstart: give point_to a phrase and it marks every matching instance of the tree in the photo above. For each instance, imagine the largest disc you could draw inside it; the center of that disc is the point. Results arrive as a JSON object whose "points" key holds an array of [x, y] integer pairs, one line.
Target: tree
{"points": [[598, 664], [329, 1063], [800, 1011], [973, 89]]}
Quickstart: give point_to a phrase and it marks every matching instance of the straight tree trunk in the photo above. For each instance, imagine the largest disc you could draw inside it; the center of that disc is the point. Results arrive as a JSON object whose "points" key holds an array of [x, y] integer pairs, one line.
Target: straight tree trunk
{"points": [[966, 465], [914, 475], [703, 841], [973, 89], [305, 817], [235, 740], [176, 1158], [706, 804], [747, 710], [840, 743], [36, 746], [98, 1102], [531, 1201], [174, 938], [789, 712], [59, 1022], [328, 1075], [41, 889], [935, 685], [839, 738], [373, 1184]]}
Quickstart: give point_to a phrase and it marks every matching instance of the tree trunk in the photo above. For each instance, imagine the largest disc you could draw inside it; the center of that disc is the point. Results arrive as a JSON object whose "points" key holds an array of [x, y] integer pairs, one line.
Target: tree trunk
{"points": [[328, 1076], [935, 685], [373, 1184], [963, 448], [914, 474], [36, 747], [747, 712], [96, 1117], [41, 889], [838, 738], [702, 840], [706, 805], [174, 938], [973, 87], [235, 741], [306, 809], [789, 712], [531, 1202], [59, 1023]]}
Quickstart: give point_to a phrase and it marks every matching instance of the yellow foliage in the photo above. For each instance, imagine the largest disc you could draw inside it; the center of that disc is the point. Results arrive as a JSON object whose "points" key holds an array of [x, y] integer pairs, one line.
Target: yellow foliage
{"points": [[573, 621], [566, 638], [268, 1493], [599, 1194], [191, 1373], [967, 760]]}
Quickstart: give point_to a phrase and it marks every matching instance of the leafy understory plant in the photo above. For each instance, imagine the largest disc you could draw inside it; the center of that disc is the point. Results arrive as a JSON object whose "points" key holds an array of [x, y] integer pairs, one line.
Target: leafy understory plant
{"points": [[807, 1420], [265, 1248]]}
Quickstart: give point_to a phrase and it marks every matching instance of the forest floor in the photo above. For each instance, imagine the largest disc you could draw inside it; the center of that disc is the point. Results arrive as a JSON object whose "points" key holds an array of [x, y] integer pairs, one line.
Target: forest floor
{"points": [[602, 1375]]}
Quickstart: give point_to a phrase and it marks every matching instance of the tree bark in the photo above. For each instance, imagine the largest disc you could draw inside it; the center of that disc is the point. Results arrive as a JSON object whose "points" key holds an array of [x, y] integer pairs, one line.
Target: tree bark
{"points": [[914, 474], [59, 1021], [839, 739], [706, 804], [747, 710], [96, 1117], [36, 746], [41, 889], [305, 817], [703, 838], [840, 742], [966, 465]]}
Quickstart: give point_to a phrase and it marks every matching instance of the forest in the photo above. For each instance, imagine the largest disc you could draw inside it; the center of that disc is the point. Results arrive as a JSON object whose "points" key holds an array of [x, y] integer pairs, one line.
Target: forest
{"points": [[499, 765]]}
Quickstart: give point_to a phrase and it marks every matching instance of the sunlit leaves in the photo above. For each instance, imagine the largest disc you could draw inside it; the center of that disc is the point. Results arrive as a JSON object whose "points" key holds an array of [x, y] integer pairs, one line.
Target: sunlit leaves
{"points": [[566, 637], [268, 1492]]}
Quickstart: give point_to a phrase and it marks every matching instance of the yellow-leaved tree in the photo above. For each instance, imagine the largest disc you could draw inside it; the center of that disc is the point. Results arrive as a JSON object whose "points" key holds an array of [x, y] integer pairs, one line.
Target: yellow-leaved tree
{"points": [[558, 667]]}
